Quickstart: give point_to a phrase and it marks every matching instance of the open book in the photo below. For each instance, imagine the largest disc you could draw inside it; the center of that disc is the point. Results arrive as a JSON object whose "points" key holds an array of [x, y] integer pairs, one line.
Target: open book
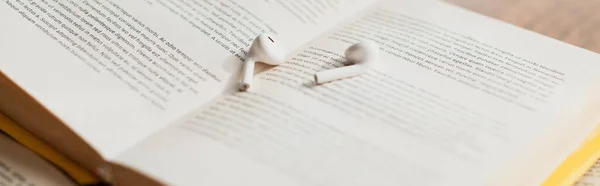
{"points": [[144, 92]]}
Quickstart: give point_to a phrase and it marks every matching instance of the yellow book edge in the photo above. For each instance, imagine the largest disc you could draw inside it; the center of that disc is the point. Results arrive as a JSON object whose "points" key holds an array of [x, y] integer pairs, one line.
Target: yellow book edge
{"points": [[79, 174], [578, 162]]}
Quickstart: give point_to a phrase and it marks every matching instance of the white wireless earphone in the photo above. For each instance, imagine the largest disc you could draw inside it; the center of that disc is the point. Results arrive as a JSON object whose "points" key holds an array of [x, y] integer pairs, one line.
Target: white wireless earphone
{"points": [[362, 54], [264, 49]]}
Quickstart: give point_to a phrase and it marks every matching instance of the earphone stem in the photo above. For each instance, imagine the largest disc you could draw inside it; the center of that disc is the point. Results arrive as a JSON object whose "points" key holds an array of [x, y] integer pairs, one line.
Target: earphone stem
{"points": [[339, 73], [247, 73]]}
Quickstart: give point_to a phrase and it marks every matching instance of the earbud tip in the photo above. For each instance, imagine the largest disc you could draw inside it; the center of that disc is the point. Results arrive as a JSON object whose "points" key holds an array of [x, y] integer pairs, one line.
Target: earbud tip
{"points": [[317, 79], [363, 50], [244, 87]]}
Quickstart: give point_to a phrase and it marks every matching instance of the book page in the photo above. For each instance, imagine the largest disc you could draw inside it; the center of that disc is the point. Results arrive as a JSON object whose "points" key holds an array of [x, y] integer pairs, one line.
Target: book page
{"points": [[21, 167], [455, 99], [115, 71], [591, 177]]}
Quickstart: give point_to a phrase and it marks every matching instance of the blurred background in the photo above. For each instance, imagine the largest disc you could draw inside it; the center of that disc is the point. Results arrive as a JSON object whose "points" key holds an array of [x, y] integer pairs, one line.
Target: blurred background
{"points": [[576, 22]]}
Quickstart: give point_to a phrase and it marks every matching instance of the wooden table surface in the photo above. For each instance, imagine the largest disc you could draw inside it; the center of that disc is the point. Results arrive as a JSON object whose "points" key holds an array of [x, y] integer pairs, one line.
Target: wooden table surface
{"points": [[576, 22]]}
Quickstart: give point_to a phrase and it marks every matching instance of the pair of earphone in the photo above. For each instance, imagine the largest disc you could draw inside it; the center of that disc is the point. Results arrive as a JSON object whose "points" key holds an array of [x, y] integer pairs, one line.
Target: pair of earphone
{"points": [[264, 49]]}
